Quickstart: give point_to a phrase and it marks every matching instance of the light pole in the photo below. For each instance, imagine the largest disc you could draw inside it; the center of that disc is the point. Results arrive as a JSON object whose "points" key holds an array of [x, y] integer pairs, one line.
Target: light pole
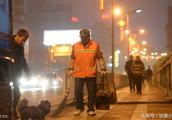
{"points": [[128, 26], [113, 48]]}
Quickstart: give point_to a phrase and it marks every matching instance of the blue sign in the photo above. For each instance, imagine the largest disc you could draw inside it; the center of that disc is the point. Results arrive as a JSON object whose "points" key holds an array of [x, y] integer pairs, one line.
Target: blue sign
{"points": [[4, 16], [5, 23]]}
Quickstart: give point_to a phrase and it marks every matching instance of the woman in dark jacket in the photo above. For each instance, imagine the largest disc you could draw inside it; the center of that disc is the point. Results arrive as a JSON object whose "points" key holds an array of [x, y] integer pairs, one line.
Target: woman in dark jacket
{"points": [[20, 64]]}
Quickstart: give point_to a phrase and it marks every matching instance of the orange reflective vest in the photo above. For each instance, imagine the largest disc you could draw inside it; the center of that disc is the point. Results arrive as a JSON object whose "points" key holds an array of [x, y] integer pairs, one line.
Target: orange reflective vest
{"points": [[84, 59]]}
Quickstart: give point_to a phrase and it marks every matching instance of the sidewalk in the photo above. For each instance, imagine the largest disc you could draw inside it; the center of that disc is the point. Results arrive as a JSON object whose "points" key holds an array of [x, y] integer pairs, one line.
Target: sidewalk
{"points": [[151, 105]]}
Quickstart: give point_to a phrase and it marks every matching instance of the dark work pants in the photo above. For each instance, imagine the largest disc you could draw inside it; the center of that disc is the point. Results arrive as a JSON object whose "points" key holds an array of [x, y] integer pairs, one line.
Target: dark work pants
{"points": [[138, 79], [16, 96], [91, 87], [131, 82]]}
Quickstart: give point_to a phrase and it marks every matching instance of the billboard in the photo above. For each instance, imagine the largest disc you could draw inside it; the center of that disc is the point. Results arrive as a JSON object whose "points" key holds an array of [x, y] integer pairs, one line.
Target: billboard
{"points": [[60, 37], [5, 24]]}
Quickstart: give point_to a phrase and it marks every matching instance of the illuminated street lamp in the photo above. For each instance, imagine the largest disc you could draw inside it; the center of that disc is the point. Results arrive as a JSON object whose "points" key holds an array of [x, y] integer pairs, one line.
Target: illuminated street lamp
{"points": [[113, 49], [141, 31], [127, 25], [117, 11], [144, 42], [101, 4], [127, 32], [121, 23], [130, 13], [138, 10]]}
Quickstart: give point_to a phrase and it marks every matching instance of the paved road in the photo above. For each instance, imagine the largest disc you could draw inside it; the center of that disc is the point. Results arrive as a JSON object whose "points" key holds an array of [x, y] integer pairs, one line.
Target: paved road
{"points": [[153, 104], [36, 95]]}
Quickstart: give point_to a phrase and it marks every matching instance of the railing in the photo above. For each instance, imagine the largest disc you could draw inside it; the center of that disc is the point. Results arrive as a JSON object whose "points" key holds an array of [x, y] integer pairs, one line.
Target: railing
{"points": [[163, 75]]}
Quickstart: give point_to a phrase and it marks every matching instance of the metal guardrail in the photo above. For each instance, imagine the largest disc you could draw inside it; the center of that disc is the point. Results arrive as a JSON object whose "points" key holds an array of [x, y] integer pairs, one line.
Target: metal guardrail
{"points": [[163, 75]]}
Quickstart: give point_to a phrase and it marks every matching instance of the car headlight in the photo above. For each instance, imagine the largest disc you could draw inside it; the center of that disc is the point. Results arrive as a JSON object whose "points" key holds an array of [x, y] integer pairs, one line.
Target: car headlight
{"points": [[55, 83], [34, 81], [23, 81], [44, 83]]}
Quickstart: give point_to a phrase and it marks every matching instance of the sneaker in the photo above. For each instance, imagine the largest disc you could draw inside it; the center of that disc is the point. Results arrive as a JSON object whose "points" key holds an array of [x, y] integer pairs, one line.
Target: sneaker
{"points": [[91, 113], [77, 112]]}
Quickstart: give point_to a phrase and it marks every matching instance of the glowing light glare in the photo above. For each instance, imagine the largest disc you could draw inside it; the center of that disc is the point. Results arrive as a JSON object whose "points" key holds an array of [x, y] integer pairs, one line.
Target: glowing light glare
{"points": [[44, 83], [136, 49], [51, 51], [143, 52], [101, 4], [118, 51], [144, 42], [127, 32], [153, 57], [74, 19], [144, 49], [163, 54], [125, 57], [117, 11], [133, 52], [55, 83], [11, 84], [105, 16], [143, 57], [109, 64], [130, 39], [152, 54], [23, 81], [132, 42], [110, 57], [34, 81], [156, 53], [116, 60], [59, 37], [138, 10], [141, 31], [121, 23]]}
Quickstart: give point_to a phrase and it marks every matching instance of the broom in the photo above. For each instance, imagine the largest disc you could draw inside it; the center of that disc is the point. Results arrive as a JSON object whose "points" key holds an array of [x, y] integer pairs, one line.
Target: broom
{"points": [[63, 102]]}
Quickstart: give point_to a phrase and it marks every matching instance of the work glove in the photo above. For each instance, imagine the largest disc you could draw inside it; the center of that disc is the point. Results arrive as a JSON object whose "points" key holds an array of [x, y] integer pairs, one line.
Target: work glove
{"points": [[70, 73]]}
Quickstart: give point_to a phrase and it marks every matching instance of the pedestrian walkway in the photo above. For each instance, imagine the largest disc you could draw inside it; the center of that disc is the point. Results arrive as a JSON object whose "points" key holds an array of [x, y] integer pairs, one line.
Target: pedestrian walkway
{"points": [[151, 105], [150, 93]]}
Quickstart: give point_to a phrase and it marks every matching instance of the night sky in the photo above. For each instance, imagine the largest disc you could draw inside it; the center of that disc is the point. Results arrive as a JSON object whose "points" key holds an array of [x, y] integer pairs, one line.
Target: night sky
{"points": [[153, 18], [56, 14]]}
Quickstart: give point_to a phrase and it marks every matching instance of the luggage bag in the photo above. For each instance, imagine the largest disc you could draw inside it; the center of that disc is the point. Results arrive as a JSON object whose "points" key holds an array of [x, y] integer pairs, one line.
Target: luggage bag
{"points": [[102, 95]]}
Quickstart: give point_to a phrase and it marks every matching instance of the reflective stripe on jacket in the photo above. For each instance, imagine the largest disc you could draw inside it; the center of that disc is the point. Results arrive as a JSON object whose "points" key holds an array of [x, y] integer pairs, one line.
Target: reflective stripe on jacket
{"points": [[84, 59], [137, 68]]}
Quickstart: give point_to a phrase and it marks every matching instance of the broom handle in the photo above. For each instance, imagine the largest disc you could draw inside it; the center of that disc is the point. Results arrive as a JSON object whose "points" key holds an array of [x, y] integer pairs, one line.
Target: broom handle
{"points": [[66, 69], [68, 83]]}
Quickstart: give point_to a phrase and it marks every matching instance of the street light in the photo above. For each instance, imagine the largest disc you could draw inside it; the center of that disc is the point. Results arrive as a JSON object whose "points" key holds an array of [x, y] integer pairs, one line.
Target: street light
{"points": [[127, 24], [113, 48], [141, 31], [144, 42], [117, 11]]}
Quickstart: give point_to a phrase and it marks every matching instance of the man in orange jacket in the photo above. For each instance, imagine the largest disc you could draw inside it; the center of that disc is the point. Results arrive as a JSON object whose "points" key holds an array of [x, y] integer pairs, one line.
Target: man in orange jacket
{"points": [[85, 54]]}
